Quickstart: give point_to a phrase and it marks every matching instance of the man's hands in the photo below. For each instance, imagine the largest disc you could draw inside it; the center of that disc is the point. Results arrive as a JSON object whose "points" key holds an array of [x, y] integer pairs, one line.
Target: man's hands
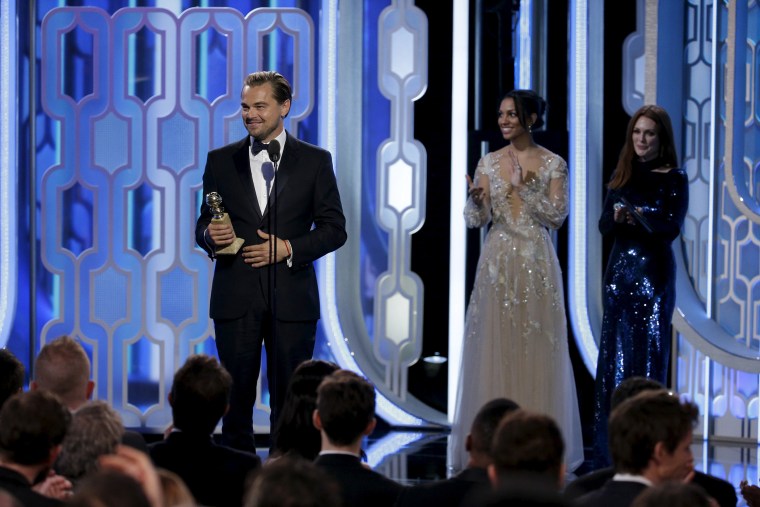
{"points": [[261, 255], [218, 234]]}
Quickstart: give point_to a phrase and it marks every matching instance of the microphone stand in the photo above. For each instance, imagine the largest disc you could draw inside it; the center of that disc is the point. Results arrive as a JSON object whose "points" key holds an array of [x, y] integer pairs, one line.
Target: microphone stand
{"points": [[273, 151]]}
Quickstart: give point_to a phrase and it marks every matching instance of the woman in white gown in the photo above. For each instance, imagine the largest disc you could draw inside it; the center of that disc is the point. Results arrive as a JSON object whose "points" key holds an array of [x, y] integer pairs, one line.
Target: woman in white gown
{"points": [[515, 342]]}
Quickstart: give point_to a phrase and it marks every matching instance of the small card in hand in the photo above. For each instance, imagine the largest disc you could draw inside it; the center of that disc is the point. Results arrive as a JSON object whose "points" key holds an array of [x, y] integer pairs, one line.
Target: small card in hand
{"points": [[636, 215]]}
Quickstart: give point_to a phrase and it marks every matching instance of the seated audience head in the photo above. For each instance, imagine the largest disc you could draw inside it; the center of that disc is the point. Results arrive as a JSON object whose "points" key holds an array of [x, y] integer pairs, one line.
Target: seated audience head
{"points": [[175, 491], [63, 368], [11, 375], [650, 435], [32, 428], [345, 408], [95, 430], [483, 428], [673, 494], [292, 483], [295, 433], [200, 394], [527, 444], [8, 500], [632, 386], [109, 488]]}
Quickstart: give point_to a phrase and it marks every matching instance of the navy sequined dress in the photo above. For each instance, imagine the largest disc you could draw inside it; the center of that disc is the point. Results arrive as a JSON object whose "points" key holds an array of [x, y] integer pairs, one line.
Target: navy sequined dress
{"points": [[639, 286]]}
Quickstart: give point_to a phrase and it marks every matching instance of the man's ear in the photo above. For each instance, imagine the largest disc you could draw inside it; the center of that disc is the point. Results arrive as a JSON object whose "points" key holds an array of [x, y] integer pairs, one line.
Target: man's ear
{"points": [[170, 398], [468, 443], [316, 420], [90, 389], [33, 386], [370, 427], [561, 478], [659, 452], [493, 476]]}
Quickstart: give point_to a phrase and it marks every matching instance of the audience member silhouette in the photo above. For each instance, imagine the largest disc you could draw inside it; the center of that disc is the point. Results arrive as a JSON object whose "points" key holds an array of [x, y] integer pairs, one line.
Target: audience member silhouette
{"points": [[527, 447], [345, 414], [63, 368], [673, 494], [199, 397], [175, 491], [295, 432], [109, 488], [11, 375], [95, 430], [454, 491], [650, 436], [293, 482], [32, 428], [722, 491]]}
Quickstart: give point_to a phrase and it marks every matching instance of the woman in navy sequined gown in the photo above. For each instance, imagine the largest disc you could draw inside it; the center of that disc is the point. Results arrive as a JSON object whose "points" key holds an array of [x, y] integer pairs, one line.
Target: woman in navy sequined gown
{"points": [[644, 210]]}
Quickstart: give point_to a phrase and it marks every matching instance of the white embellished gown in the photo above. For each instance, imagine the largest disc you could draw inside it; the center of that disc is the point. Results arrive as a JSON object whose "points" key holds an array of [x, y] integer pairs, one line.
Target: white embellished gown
{"points": [[515, 343]]}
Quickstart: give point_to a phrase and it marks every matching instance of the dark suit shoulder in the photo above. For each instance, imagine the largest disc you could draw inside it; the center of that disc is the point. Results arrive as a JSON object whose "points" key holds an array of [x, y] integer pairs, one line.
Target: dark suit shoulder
{"points": [[617, 493], [587, 483], [231, 147], [722, 491], [292, 142]]}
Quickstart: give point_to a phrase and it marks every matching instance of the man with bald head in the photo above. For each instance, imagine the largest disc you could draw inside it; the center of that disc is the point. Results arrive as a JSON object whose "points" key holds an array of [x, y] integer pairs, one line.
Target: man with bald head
{"points": [[63, 368]]}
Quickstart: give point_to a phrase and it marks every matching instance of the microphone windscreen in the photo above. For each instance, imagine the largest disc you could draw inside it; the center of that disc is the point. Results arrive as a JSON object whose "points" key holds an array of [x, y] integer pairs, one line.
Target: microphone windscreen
{"points": [[273, 150]]}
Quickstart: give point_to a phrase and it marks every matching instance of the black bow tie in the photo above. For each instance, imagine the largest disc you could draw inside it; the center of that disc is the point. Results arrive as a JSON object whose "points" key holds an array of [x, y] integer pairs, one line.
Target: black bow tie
{"points": [[258, 146]]}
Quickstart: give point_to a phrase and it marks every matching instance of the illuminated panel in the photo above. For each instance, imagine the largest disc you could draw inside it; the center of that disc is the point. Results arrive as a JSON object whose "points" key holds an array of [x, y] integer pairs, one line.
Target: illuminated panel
{"points": [[523, 70], [8, 164], [328, 128], [457, 239], [584, 205]]}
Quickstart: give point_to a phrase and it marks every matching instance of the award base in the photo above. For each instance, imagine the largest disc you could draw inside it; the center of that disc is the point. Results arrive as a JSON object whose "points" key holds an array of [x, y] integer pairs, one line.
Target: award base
{"points": [[233, 248]]}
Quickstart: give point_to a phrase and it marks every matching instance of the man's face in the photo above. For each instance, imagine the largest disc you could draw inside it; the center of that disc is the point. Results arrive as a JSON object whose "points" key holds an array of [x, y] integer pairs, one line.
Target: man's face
{"points": [[678, 464], [261, 113]]}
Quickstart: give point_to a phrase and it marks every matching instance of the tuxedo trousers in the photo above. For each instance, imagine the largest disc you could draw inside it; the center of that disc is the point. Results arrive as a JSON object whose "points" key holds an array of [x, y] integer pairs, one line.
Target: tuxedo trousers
{"points": [[239, 343]]}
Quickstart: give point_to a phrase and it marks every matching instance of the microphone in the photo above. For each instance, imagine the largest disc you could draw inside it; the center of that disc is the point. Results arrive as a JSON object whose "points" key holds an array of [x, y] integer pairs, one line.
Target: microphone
{"points": [[273, 150]]}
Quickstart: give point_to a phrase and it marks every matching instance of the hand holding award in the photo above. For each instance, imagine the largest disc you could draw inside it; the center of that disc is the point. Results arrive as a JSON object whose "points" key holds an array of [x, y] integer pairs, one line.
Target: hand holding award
{"points": [[214, 202]]}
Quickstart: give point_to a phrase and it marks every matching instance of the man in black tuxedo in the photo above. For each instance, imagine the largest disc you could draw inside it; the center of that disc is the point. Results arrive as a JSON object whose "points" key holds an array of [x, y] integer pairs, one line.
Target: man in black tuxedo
{"points": [[345, 414], [722, 491], [456, 490], [215, 474], [650, 440], [267, 292], [32, 428]]}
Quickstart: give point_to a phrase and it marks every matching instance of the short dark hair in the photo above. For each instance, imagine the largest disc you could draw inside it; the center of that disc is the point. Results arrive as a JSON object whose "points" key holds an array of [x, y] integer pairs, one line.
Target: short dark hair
{"points": [[673, 494], [641, 422], [281, 89], [31, 425], [527, 102], [346, 405], [630, 387], [295, 431], [11, 375], [528, 442], [111, 488], [487, 420], [292, 483], [200, 394]]}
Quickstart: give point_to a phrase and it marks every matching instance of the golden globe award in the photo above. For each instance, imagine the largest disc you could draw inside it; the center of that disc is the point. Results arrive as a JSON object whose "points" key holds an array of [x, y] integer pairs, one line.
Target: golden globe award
{"points": [[214, 202]]}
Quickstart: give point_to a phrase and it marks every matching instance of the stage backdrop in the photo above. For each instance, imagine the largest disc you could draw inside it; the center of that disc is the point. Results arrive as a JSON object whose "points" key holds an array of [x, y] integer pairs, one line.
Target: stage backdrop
{"points": [[124, 103]]}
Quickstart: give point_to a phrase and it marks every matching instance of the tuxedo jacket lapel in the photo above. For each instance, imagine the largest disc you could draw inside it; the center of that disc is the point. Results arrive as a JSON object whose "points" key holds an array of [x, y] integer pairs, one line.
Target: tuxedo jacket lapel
{"points": [[285, 168], [243, 169]]}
